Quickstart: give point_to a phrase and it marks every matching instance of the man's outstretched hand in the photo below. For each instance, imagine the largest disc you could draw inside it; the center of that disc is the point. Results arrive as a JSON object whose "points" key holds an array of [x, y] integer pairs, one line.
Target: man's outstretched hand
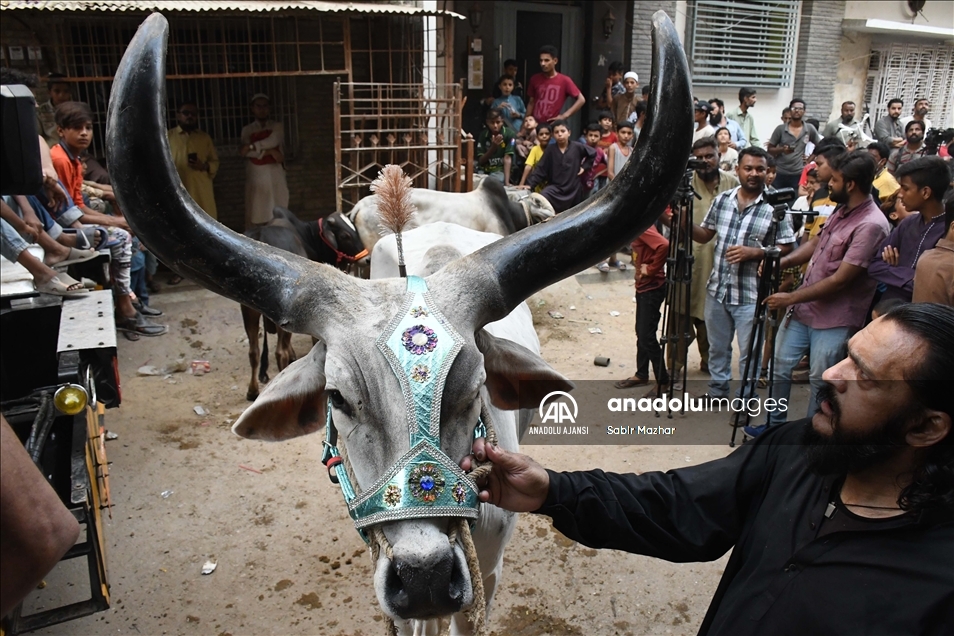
{"points": [[516, 482]]}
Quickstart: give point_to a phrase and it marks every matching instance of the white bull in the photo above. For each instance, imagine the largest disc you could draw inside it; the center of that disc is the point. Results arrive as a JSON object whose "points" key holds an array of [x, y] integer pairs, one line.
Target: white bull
{"points": [[348, 377], [488, 208]]}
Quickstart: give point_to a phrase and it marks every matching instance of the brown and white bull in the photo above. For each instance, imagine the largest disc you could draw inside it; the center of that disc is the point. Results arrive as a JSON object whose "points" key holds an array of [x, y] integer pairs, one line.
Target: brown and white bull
{"points": [[424, 577], [488, 208]]}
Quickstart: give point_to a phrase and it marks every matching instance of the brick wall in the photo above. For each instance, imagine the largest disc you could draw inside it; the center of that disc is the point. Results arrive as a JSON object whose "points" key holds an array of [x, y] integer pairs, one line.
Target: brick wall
{"points": [[310, 173], [819, 45], [641, 59]]}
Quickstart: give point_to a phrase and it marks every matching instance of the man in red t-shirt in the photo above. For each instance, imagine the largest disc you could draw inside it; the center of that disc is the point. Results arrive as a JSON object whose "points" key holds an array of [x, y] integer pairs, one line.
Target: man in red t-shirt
{"points": [[549, 89]]}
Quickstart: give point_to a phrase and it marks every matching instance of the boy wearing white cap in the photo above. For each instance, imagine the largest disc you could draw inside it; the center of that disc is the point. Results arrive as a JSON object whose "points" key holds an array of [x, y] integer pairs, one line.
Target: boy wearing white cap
{"points": [[625, 104], [263, 147]]}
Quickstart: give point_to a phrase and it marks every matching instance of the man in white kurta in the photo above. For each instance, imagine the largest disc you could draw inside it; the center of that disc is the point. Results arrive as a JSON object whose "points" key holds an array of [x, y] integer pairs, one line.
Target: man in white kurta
{"points": [[263, 149]]}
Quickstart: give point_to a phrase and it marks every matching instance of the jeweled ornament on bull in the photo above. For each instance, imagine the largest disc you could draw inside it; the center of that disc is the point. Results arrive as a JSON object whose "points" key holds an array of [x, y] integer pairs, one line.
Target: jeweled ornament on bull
{"points": [[426, 483]]}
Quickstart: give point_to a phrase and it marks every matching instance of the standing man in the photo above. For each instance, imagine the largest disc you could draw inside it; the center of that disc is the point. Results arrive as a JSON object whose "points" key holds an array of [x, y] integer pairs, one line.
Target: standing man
{"points": [[718, 120], [741, 115], [739, 220], [194, 155], [702, 128], [708, 182], [788, 144], [922, 106], [834, 298], [889, 130], [60, 91], [549, 89], [847, 119], [263, 146], [914, 148]]}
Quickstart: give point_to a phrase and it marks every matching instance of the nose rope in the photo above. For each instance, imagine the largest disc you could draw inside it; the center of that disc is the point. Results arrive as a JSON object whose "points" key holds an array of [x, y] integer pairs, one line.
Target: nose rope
{"points": [[459, 531]]}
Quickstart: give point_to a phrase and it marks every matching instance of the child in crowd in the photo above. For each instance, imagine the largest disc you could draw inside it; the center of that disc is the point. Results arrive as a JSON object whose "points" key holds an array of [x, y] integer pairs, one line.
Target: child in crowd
{"points": [[510, 106], [896, 211], [650, 250], [495, 148], [728, 156], [770, 172], [619, 152], [562, 164], [595, 179], [544, 132], [607, 131], [527, 136], [74, 123]]}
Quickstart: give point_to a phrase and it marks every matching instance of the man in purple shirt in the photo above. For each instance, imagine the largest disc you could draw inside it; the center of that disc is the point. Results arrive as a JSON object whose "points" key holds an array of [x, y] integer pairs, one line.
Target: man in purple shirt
{"points": [[923, 184], [833, 301]]}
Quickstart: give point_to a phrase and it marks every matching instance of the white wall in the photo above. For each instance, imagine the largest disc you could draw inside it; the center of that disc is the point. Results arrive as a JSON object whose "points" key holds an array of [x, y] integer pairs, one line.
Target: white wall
{"points": [[936, 13], [768, 109]]}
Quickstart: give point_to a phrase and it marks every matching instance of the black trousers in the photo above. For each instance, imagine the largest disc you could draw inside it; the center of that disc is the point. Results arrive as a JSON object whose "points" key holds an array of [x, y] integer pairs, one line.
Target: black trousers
{"points": [[647, 345]]}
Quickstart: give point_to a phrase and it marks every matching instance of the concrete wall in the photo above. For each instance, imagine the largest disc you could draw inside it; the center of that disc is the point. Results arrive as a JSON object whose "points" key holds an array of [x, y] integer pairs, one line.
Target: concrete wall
{"points": [[600, 51], [818, 53], [937, 13], [852, 73]]}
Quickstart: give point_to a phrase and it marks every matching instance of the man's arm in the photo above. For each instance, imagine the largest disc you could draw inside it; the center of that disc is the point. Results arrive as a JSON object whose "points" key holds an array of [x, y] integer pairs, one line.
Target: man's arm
{"points": [[699, 234], [800, 255], [738, 135], [36, 529], [844, 276], [508, 162], [577, 105]]}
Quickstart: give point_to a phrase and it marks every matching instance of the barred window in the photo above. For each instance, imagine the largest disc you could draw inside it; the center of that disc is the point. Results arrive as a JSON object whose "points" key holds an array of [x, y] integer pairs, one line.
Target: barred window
{"points": [[742, 42]]}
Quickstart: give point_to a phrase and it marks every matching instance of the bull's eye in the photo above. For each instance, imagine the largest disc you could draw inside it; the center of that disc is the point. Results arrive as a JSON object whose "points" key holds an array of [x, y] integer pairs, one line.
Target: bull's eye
{"points": [[337, 400]]}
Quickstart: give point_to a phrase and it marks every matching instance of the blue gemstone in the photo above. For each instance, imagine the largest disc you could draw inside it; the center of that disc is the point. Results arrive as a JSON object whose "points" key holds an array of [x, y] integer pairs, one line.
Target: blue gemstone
{"points": [[427, 483]]}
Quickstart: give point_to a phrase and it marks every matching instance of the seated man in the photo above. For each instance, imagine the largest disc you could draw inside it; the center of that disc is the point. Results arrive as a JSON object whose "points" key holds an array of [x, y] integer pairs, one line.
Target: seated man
{"points": [[822, 516]]}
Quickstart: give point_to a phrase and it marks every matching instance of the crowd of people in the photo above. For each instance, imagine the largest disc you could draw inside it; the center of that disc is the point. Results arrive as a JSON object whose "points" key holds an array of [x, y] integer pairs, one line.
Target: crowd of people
{"points": [[75, 216]]}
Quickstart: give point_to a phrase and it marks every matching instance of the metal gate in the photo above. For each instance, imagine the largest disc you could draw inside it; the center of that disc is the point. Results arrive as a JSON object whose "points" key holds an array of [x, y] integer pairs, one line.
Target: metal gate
{"points": [[909, 72], [415, 126]]}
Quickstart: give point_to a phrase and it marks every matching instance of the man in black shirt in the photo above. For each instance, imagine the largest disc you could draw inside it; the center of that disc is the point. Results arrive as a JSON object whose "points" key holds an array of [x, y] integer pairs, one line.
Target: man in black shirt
{"points": [[843, 524]]}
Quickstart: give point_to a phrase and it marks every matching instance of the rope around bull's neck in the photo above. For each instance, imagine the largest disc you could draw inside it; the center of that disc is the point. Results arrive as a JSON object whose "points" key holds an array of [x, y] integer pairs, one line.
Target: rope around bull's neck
{"points": [[459, 530]]}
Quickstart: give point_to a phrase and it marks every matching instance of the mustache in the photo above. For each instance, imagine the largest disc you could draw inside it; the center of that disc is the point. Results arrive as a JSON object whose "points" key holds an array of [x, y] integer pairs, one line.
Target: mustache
{"points": [[827, 393]]}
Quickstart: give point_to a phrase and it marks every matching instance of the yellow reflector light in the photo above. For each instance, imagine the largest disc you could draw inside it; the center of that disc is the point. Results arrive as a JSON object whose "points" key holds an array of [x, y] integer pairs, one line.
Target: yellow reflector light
{"points": [[70, 399]]}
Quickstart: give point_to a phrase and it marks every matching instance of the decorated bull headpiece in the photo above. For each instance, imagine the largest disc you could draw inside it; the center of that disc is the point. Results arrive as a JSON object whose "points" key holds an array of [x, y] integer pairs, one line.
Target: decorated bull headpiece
{"points": [[420, 345], [305, 297]]}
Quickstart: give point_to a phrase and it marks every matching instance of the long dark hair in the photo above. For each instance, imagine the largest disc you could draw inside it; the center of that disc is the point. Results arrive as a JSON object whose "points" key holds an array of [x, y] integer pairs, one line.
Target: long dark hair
{"points": [[932, 486]]}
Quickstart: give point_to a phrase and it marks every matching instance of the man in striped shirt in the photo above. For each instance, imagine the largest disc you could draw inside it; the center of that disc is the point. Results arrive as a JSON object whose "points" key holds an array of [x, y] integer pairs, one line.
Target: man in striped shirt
{"points": [[740, 220]]}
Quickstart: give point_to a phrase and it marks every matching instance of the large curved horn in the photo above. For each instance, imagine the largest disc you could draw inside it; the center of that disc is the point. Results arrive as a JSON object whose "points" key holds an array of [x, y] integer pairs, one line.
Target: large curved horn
{"points": [[510, 270], [165, 217]]}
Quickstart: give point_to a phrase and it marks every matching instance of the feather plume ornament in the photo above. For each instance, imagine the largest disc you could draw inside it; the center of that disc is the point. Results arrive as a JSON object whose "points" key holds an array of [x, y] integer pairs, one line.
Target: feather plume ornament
{"points": [[395, 209]]}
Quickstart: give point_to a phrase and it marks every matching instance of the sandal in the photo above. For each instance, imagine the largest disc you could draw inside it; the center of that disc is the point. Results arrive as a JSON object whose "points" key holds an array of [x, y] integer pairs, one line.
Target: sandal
{"points": [[63, 285], [175, 279], [140, 326], [75, 256], [603, 267], [621, 266], [631, 382]]}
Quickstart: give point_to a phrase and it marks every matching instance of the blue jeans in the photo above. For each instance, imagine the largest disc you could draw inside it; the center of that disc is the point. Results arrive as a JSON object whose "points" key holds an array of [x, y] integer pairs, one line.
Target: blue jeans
{"points": [[794, 340], [722, 322]]}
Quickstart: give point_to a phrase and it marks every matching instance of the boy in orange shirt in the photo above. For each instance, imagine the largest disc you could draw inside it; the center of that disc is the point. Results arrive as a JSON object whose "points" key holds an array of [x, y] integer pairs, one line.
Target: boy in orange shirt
{"points": [[74, 123]]}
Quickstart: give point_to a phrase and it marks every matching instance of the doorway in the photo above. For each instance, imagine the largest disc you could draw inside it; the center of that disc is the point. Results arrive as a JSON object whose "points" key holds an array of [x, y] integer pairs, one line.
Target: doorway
{"points": [[539, 25]]}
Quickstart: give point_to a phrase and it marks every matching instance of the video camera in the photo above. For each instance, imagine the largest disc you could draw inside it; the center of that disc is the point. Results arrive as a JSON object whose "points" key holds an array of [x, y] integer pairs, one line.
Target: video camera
{"points": [[934, 137], [781, 202], [20, 169]]}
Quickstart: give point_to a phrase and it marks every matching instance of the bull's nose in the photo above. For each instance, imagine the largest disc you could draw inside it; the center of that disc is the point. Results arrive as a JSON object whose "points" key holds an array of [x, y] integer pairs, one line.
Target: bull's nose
{"points": [[427, 588]]}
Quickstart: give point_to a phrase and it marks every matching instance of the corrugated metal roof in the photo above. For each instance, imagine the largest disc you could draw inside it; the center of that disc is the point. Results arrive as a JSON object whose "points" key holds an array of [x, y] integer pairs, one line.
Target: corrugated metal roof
{"points": [[220, 5]]}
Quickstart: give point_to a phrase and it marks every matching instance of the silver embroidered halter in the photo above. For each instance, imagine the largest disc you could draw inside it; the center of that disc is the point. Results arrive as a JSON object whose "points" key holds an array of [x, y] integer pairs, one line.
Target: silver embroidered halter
{"points": [[420, 345]]}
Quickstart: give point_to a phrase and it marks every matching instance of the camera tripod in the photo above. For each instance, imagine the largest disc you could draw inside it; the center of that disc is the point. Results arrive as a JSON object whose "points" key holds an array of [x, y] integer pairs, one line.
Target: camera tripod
{"points": [[679, 264]]}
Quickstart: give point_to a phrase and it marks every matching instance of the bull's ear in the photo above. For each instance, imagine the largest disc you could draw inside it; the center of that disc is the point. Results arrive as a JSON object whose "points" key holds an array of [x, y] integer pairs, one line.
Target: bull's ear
{"points": [[292, 404], [517, 378]]}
